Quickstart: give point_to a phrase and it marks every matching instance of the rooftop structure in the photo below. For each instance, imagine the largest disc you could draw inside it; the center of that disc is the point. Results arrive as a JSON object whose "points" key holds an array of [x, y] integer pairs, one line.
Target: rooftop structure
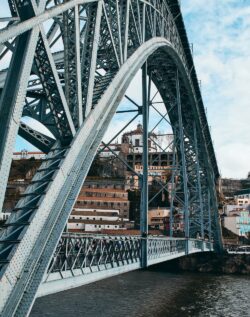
{"points": [[26, 155]]}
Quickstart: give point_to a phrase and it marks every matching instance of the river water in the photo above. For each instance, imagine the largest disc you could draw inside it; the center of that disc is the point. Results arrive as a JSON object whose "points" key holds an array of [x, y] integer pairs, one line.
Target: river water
{"points": [[152, 293]]}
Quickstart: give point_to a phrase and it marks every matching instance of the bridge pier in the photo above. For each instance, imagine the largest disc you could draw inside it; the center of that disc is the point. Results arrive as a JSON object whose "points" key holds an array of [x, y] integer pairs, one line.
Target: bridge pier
{"points": [[144, 188]]}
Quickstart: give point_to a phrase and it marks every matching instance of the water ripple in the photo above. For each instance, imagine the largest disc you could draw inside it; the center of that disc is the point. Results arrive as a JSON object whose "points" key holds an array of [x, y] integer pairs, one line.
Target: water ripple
{"points": [[152, 293]]}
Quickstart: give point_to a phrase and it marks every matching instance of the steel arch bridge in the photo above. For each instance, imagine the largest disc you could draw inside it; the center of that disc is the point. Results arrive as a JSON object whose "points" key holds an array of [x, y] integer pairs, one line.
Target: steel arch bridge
{"points": [[74, 92]]}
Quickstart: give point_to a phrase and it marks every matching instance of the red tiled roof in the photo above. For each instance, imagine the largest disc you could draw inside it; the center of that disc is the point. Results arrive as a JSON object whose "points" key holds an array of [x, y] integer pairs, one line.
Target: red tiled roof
{"points": [[111, 199], [100, 190], [96, 222]]}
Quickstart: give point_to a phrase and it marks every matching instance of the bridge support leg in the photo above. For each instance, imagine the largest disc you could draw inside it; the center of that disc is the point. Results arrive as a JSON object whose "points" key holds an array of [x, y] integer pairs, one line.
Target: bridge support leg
{"points": [[201, 215], [183, 161], [209, 219], [172, 191], [144, 189]]}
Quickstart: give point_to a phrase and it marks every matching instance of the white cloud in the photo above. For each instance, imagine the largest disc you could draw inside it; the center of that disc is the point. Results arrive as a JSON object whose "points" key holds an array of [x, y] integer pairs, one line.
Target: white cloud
{"points": [[219, 30], [221, 37]]}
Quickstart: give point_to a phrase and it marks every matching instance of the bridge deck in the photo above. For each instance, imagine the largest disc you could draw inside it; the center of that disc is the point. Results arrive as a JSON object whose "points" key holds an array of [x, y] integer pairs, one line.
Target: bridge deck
{"points": [[82, 259]]}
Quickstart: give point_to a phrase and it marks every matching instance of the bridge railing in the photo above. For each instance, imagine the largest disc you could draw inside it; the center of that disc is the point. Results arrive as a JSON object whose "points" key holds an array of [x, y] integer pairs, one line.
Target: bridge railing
{"points": [[160, 247], [81, 258], [94, 253]]}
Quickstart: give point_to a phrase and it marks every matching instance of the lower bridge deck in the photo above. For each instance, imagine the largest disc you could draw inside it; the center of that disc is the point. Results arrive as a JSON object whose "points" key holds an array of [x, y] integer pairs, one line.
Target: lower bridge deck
{"points": [[83, 259]]}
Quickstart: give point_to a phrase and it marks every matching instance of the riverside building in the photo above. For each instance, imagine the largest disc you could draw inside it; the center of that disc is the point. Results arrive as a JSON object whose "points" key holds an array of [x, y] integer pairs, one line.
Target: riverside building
{"points": [[100, 206]]}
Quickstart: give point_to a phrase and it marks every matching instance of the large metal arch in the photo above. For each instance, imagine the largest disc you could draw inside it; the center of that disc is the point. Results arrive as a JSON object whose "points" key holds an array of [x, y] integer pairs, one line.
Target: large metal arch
{"points": [[190, 109], [29, 258], [89, 136], [83, 148], [179, 41]]}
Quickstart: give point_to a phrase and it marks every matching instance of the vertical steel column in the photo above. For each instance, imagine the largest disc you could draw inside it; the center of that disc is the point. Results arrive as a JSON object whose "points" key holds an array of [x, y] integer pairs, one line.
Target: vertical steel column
{"points": [[183, 160], [216, 218], [12, 101], [199, 182], [209, 218], [126, 31], [144, 192], [172, 191]]}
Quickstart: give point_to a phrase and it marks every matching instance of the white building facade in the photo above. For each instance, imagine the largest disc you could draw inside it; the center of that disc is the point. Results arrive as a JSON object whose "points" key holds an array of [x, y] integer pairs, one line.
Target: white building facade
{"points": [[26, 155]]}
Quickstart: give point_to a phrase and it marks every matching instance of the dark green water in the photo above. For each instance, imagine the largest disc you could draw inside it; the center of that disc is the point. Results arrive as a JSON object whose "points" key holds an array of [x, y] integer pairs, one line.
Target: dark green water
{"points": [[152, 293]]}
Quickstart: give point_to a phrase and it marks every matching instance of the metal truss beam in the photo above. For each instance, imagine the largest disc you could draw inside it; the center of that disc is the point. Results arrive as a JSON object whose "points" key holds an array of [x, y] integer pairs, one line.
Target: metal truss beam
{"points": [[114, 39], [38, 139], [144, 188], [13, 95]]}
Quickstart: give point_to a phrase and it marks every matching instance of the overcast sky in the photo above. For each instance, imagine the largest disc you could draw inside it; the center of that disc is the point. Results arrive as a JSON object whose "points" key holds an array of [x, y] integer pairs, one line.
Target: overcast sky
{"points": [[220, 33]]}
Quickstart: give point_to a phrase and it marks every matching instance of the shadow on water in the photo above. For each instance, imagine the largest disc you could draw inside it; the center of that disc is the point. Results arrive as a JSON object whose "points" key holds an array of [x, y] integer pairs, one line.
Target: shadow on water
{"points": [[153, 292]]}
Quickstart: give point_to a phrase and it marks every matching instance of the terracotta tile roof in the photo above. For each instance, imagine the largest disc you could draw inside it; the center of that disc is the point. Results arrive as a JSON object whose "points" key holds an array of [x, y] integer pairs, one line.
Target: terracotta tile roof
{"points": [[111, 199], [89, 206], [95, 213], [97, 222], [103, 190]]}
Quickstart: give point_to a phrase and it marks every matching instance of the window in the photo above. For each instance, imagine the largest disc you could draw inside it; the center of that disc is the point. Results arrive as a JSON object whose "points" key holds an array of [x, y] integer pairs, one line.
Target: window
{"points": [[137, 142]]}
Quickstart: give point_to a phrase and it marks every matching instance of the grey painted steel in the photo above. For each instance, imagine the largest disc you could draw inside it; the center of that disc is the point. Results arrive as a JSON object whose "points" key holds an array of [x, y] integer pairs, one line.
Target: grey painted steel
{"points": [[131, 32], [144, 188], [183, 160], [24, 26], [172, 194], [38, 139], [27, 254], [199, 183], [83, 259], [13, 95]]}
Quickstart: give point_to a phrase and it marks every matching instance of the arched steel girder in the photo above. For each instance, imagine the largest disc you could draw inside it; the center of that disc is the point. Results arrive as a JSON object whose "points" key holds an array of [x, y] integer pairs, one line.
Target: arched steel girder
{"points": [[39, 239], [39, 218]]}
